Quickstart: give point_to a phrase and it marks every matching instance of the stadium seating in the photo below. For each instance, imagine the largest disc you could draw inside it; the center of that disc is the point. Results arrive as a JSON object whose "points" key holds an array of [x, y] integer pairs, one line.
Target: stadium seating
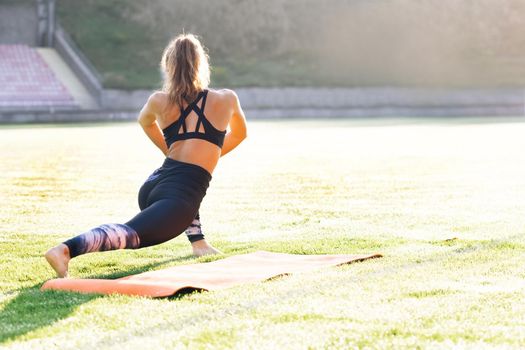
{"points": [[27, 82]]}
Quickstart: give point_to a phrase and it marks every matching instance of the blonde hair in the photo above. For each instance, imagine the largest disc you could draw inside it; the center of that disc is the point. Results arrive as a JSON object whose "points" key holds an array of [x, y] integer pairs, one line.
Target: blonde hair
{"points": [[186, 69]]}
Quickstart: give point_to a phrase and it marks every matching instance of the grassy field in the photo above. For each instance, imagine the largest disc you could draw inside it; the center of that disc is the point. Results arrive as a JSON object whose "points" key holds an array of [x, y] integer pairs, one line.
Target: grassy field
{"points": [[443, 200]]}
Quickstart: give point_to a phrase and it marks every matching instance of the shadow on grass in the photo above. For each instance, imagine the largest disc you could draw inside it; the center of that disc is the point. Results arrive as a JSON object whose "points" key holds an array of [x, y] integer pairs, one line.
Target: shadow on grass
{"points": [[33, 309]]}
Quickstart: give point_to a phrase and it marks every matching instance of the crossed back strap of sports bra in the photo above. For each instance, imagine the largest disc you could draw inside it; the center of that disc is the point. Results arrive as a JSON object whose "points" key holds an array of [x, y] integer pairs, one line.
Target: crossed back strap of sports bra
{"points": [[172, 132]]}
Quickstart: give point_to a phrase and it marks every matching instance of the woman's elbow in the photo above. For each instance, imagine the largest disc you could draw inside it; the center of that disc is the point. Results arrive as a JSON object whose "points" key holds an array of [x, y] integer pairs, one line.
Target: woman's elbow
{"points": [[239, 134], [146, 120], [242, 136]]}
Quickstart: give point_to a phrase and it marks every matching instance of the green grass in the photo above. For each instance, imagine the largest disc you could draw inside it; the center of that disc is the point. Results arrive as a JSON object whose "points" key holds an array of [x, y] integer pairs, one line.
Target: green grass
{"points": [[443, 200], [277, 43], [127, 53]]}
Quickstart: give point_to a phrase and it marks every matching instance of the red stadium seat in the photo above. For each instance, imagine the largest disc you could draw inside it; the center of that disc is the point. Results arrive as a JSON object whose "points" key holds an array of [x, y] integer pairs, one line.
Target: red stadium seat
{"points": [[26, 81]]}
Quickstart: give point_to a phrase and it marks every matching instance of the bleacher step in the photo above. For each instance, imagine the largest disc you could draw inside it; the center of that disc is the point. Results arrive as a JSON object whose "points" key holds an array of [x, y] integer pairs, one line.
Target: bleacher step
{"points": [[67, 77]]}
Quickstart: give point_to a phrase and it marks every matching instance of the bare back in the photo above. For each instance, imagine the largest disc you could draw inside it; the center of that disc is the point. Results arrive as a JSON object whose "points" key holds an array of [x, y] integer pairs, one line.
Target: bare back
{"points": [[218, 111]]}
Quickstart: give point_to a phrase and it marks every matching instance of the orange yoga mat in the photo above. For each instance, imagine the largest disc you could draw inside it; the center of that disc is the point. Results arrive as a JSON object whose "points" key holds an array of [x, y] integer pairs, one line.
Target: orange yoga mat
{"points": [[214, 275]]}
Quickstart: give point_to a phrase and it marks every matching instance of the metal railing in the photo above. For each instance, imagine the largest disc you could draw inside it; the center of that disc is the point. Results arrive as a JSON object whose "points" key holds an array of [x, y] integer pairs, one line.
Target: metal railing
{"points": [[80, 64]]}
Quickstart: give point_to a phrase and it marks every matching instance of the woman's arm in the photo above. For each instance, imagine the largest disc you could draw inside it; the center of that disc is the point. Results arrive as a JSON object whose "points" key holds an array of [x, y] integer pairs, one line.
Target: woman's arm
{"points": [[148, 120], [237, 131]]}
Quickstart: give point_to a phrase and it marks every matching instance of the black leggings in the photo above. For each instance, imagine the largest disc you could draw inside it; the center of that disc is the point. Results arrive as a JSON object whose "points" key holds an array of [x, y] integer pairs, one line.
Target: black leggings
{"points": [[169, 201]]}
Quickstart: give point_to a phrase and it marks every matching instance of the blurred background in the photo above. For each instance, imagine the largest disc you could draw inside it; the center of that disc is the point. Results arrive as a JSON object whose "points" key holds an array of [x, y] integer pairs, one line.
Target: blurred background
{"points": [[98, 59], [309, 43]]}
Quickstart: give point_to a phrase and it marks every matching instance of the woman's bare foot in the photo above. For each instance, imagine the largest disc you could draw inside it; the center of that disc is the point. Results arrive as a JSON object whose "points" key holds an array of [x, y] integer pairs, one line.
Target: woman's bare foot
{"points": [[201, 248], [58, 257]]}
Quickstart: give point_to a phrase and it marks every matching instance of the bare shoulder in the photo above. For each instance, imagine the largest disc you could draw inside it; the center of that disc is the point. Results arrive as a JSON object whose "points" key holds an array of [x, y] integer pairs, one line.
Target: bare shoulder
{"points": [[157, 100], [226, 96]]}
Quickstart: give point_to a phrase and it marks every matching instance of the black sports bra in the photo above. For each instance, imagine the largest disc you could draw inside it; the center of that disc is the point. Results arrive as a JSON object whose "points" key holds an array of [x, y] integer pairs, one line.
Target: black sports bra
{"points": [[172, 132]]}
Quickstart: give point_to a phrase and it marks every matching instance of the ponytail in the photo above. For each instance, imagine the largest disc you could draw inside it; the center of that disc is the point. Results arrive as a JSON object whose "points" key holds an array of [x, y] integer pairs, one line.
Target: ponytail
{"points": [[186, 68]]}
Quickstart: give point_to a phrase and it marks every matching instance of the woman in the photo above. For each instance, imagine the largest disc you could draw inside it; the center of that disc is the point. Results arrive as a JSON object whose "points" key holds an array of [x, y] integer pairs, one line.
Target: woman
{"points": [[188, 123]]}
